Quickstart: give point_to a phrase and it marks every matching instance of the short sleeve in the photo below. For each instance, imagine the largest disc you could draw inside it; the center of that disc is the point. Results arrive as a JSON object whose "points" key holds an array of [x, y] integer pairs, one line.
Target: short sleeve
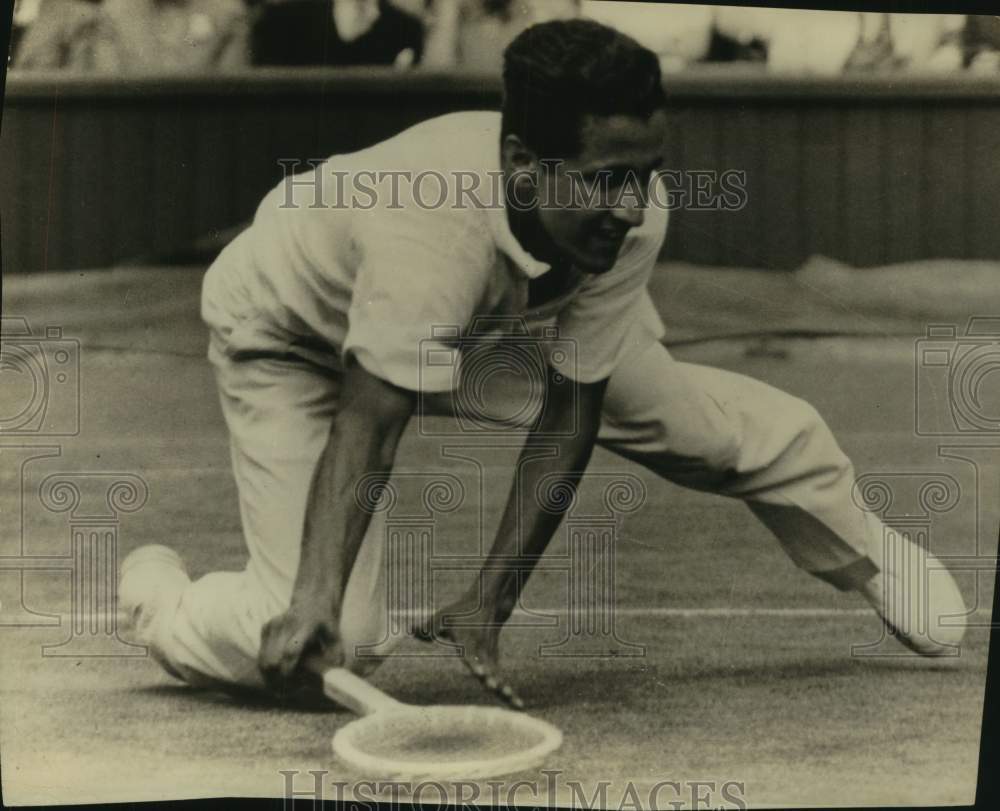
{"points": [[419, 282], [612, 313]]}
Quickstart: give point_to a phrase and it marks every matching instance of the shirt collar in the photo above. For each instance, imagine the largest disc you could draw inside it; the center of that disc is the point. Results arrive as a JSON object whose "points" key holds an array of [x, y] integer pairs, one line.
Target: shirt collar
{"points": [[505, 240], [507, 243]]}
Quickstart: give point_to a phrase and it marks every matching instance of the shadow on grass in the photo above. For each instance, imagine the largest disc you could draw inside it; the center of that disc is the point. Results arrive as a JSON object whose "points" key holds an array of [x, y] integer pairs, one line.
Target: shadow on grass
{"points": [[305, 702]]}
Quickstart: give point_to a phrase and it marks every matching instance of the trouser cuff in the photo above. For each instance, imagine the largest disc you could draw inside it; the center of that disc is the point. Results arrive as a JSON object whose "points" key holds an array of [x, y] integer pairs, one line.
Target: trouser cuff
{"points": [[851, 576]]}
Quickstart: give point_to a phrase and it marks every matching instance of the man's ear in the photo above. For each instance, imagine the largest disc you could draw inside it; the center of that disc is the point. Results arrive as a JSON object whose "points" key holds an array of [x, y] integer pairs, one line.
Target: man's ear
{"points": [[516, 156]]}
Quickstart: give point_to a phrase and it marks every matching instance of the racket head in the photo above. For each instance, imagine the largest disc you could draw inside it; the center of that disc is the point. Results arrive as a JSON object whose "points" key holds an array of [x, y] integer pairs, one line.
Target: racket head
{"points": [[445, 742]]}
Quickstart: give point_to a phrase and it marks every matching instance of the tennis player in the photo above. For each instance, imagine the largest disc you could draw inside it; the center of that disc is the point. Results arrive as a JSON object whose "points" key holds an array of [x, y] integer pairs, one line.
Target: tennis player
{"points": [[322, 317]]}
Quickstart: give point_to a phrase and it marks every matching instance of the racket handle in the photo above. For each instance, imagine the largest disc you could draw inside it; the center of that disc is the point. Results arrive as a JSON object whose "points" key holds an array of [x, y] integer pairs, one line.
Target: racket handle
{"points": [[355, 693]]}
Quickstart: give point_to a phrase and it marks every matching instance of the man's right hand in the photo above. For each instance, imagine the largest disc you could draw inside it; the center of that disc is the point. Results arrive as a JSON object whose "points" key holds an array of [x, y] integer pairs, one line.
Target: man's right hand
{"points": [[305, 640], [306, 636]]}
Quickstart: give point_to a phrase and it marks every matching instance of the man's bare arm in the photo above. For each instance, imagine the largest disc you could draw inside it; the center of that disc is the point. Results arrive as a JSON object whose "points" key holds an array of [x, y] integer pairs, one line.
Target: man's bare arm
{"points": [[556, 452], [363, 439]]}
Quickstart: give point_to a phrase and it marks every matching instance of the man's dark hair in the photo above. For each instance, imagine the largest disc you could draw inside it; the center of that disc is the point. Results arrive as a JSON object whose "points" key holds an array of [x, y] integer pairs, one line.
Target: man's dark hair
{"points": [[557, 73]]}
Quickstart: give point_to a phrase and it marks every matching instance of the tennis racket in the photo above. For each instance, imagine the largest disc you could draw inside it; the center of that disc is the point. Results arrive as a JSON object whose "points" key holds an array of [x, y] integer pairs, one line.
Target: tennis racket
{"points": [[405, 741]]}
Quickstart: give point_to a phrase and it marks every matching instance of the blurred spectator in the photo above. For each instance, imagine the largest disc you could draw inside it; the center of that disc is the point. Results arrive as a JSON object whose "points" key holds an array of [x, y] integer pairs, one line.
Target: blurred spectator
{"points": [[812, 42], [472, 34], [829, 42], [796, 40], [59, 35], [142, 36], [732, 39], [873, 50], [917, 42], [415, 8], [927, 42], [678, 34], [137, 36], [336, 32], [25, 13], [981, 42]]}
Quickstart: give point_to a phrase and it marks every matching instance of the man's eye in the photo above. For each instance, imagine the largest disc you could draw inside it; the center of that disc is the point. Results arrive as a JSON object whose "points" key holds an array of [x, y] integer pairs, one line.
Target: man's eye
{"points": [[593, 186], [619, 178]]}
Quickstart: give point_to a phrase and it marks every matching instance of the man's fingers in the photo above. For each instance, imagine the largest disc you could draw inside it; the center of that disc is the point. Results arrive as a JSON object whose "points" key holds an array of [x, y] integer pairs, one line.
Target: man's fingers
{"points": [[281, 649], [489, 679], [290, 655], [439, 634], [484, 672], [508, 696], [270, 650], [320, 661]]}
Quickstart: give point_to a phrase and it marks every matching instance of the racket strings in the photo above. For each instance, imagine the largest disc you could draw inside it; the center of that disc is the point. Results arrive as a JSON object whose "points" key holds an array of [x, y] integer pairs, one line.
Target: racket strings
{"points": [[452, 740], [429, 735]]}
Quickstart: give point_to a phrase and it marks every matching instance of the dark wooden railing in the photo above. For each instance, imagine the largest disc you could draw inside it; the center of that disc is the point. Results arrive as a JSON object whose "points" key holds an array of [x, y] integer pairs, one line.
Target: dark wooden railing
{"points": [[869, 170]]}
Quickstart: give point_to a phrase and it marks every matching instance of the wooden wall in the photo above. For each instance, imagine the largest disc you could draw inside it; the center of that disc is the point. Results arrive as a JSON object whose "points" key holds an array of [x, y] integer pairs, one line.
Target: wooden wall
{"points": [[874, 170]]}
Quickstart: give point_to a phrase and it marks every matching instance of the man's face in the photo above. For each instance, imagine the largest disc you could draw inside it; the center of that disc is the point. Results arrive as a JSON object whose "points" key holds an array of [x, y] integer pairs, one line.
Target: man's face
{"points": [[589, 203]]}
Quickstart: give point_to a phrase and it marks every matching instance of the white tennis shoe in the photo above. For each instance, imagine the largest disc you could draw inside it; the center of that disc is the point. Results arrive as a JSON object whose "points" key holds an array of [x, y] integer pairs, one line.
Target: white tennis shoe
{"points": [[917, 598], [152, 581]]}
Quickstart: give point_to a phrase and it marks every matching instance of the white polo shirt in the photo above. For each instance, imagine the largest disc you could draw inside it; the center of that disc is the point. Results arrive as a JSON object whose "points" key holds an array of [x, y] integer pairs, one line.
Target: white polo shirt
{"points": [[396, 268]]}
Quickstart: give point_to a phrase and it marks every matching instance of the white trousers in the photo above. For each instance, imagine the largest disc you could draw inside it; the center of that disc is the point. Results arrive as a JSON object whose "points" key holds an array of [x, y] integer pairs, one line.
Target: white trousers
{"points": [[700, 427]]}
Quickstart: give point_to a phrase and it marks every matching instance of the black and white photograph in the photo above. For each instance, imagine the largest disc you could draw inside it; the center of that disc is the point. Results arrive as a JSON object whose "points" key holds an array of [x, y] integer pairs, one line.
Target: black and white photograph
{"points": [[583, 404]]}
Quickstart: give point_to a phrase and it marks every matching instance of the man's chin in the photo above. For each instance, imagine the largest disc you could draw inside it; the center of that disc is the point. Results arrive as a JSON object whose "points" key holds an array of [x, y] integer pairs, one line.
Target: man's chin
{"points": [[596, 262]]}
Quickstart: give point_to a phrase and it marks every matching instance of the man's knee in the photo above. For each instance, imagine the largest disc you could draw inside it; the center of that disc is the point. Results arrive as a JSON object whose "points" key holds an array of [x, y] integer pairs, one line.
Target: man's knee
{"points": [[811, 431], [715, 437], [780, 436], [700, 451]]}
